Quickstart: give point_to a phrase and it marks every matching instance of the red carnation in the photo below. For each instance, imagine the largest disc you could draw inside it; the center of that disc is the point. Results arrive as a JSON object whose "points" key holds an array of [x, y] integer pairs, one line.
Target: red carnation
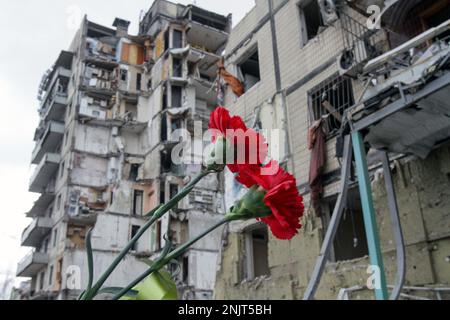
{"points": [[249, 146], [281, 196]]}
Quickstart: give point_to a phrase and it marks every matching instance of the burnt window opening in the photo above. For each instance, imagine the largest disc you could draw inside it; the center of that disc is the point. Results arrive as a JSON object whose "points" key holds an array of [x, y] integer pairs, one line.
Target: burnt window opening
{"points": [[329, 101], [256, 247], [177, 68], [185, 270], [138, 81], [41, 281], [50, 276], [166, 40], [55, 238], [138, 201], [166, 162], [177, 96], [158, 235], [45, 246], [350, 242], [311, 20], [177, 39], [162, 194], [164, 98], [134, 232], [192, 68], [249, 70], [123, 75], [134, 172], [61, 170], [176, 124], [164, 128]]}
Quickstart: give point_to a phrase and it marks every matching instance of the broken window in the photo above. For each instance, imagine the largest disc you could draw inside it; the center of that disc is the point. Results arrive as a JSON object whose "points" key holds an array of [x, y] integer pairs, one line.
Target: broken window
{"points": [[249, 70], [58, 202], [164, 98], [134, 231], [177, 39], [41, 281], [162, 194], [350, 241], [311, 20], [185, 270], [50, 276], [55, 237], [123, 75], [164, 128], [61, 170], [329, 100], [134, 172], [177, 68], [59, 273], [256, 248], [166, 40], [138, 81], [166, 162], [138, 201], [158, 235], [176, 97], [176, 124], [45, 245]]}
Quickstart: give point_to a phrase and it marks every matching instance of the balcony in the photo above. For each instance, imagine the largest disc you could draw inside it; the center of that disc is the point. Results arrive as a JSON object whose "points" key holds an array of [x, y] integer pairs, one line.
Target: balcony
{"points": [[41, 205], [49, 141], [32, 264], [44, 173], [56, 108], [36, 231], [54, 101]]}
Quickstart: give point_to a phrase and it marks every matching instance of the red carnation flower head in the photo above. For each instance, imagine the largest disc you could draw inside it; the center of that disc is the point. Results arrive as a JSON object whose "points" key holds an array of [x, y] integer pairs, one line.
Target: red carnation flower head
{"points": [[273, 199], [245, 146]]}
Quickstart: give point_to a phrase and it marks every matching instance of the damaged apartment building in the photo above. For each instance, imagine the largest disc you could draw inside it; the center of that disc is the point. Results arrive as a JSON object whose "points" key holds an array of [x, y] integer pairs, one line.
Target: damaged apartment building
{"points": [[362, 100], [112, 109]]}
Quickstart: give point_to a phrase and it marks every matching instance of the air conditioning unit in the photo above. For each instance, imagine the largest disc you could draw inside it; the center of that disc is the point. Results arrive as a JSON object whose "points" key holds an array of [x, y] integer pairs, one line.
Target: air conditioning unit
{"points": [[350, 61], [328, 10]]}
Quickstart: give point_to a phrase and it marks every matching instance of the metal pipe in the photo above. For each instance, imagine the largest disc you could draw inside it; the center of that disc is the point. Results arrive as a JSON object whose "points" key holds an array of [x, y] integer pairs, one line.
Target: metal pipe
{"points": [[396, 225], [334, 223]]}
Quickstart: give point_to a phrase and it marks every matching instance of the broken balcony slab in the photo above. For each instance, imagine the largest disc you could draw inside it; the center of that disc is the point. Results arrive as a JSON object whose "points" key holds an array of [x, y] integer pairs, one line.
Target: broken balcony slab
{"points": [[205, 38], [413, 125], [41, 205], [40, 227], [44, 173], [32, 264], [56, 108], [49, 141]]}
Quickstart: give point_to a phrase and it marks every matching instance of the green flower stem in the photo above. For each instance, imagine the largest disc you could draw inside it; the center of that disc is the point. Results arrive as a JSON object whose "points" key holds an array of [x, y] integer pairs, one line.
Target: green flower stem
{"points": [[159, 212], [159, 264]]}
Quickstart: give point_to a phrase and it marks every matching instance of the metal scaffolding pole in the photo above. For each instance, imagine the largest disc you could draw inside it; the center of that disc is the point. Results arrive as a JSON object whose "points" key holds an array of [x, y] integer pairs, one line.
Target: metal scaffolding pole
{"points": [[373, 239]]}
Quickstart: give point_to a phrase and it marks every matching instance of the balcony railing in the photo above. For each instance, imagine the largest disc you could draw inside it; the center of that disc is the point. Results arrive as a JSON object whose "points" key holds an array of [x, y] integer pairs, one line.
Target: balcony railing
{"points": [[49, 141], [44, 173], [36, 231]]}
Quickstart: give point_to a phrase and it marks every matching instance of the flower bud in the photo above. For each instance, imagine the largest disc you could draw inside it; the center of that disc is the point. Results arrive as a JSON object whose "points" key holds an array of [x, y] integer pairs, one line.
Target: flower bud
{"points": [[251, 206]]}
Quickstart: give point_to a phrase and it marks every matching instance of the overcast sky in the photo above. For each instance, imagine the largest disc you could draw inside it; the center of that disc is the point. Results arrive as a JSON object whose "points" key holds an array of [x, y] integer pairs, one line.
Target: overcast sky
{"points": [[32, 33]]}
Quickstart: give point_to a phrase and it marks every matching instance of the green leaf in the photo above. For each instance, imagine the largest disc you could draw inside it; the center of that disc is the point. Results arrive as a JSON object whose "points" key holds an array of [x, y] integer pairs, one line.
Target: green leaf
{"points": [[90, 259], [158, 286]]}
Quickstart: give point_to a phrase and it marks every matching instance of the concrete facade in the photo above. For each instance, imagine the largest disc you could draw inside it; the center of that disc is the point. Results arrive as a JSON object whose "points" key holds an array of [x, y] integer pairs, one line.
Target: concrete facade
{"points": [[111, 108], [294, 60]]}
